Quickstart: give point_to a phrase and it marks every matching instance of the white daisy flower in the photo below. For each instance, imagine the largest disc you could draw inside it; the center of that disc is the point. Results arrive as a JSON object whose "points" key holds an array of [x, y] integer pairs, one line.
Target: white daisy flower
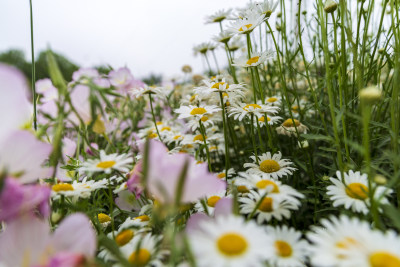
{"points": [[270, 166], [269, 208], [77, 189], [290, 250], [140, 91], [376, 250], [271, 120], [218, 16], [332, 240], [211, 87], [223, 37], [143, 250], [246, 110], [229, 241], [267, 7], [210, 202], [288, 127], [104, 219], [201, 48], [270, 186], [256, 59], [196, 112], [353, 192], [273, 100], [247, 24], [107, 163], [207, 122], [222, 175]]}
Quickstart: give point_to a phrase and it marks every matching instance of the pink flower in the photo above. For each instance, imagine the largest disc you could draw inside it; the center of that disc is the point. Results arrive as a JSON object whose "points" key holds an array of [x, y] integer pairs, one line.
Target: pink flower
{"points": [[28, 241], [14, 104], [17, 200], [133, 182], [22, 156], [123, 80], [164, 172]]}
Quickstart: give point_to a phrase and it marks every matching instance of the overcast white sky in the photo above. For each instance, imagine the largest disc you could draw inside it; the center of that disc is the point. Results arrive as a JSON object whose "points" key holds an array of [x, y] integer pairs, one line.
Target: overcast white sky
{"points": [[146, 35]]}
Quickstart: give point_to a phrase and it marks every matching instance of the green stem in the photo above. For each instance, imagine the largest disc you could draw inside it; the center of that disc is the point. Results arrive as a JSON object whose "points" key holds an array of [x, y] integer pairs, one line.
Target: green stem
{"points": [[154, 117], [33, 70]]}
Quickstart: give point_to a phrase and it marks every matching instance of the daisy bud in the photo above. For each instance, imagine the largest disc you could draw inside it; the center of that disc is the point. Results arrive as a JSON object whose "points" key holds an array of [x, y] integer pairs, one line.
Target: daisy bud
{"points": [[370, 95], [330, 6], [381, 50], [325, 178], [187, 69], [55, 217], [380, 179], [303, 144]]}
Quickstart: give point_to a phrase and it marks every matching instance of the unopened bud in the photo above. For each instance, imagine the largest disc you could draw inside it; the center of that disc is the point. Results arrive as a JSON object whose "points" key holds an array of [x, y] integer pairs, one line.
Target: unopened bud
{"points": [[380, 179], [330, 6], [370, 95]]}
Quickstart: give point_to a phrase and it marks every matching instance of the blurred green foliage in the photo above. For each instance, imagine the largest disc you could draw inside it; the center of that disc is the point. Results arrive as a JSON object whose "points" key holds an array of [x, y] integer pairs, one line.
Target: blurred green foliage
{"points": [[17, 58]]}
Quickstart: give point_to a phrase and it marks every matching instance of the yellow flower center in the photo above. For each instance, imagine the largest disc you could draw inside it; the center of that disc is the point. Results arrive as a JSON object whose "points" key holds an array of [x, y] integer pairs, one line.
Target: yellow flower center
{"points": [[193, 98], [221, 175], [384, 259], [255, 106], [159, 122], [152, 135], [140, 257], [295, 109], [272, 99], [357, 190], [262, 119], [62, 187], [204, 118], [232, 244], [242, 189], [269, 166], [247, 26], [143, 218], [266, 205], [217, 85], [283, 248], [105, 164], [165, 128], [264, 183], [103, 218], [212, 201], [289, 123], [252, 60], [198, 137], [198, 111], [176, 137], [124, 237]]}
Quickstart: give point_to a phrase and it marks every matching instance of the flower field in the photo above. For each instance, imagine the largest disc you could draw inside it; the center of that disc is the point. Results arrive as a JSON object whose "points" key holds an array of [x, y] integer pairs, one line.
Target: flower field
{"points": [[285, 154]]}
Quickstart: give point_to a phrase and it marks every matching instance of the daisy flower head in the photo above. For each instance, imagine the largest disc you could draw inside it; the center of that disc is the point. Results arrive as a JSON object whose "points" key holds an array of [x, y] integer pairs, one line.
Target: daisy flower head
{"points": [[216, 86], [271, 120], [273, 100], [77, 189], [246, 110], [378, 250], [194, 123], [229, 241], [107, 163], [210, 202], [143, 250], [270, 206], [267, 7], [223, 174], [270, 186], [223, 37], [247, 24], [335, 238], [139, 91], [352, 191], [218, 16], [289, 126], [270, 166], [289, 248], [201, 48], [196, 112], [256, 59]]}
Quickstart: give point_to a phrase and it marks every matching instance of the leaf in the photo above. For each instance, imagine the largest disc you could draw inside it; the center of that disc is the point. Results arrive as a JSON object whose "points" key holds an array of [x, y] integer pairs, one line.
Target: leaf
{"points": [[393, 214]]}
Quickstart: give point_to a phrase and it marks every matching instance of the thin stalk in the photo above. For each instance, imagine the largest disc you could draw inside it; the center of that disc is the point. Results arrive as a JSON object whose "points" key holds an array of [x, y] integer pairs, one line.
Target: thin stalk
{"points": [[154, 117], [203, 133], [33, 69]]}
